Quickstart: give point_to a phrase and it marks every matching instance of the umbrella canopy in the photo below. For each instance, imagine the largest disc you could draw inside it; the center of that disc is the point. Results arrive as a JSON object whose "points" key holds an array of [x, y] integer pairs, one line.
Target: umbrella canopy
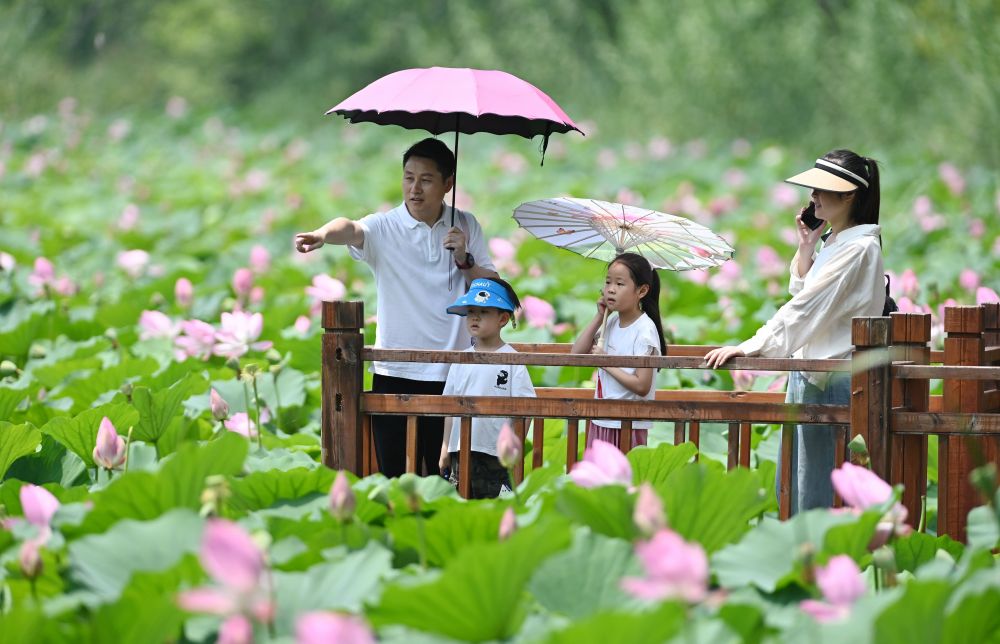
{"points": [[603, 230], [448, 99]]}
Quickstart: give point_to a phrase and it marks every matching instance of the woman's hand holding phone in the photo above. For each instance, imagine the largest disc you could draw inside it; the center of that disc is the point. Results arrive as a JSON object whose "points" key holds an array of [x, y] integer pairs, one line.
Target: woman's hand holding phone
{"points": [[809, 226]]}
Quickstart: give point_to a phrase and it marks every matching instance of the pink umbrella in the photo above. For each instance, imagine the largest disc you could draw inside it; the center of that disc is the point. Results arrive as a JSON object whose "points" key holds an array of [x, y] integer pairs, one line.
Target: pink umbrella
{"points": [[446, 99]]}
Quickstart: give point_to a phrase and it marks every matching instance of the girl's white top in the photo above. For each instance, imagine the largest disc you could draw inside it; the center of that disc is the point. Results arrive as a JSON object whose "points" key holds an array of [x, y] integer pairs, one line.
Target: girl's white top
{"points": [[637, 339], [845, 281]]}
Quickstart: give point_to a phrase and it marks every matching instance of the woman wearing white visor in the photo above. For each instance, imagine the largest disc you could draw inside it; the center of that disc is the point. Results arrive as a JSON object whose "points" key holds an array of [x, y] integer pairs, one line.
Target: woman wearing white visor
{"points": [[842, 281]]}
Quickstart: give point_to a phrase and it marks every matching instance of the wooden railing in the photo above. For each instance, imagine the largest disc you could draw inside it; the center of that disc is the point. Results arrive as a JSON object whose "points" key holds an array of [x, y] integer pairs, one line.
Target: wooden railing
{"points": [[890, 406]]}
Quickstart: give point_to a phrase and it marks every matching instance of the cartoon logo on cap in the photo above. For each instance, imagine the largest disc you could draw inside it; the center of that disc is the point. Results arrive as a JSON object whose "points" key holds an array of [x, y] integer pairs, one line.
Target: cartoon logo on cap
{"points": [[481, 297]]}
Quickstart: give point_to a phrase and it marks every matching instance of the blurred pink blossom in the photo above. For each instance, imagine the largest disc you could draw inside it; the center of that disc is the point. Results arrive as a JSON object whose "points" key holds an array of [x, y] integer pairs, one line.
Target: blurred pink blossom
{"points": [[30, 558], [109, 452], [256, 295], [862, 489], [607, 159], [327, 628], [721, 205], [35, 165], [511, 163], [785, 196], [952, 178], [977, 228], [218, 405], [734, 178], [501, 249], [986, 295], [236, 629], [241, 423], [648, 512], [324, 289], [509, 448], [633, 152], [129, 217], [260, 259], [155, 324], [197, 341], [302, 324], [43, 273], [628, 197], [741, 148], [538, 312], [742, 379], [841, 583], [508, 524], [789, 236], [769, 263], [119, 129], [242, 282], [39, 506], [930, 223], [463, 200], [236, 564], [674, 569], [133, 262], [906, 305], [238, 334], [183, 292], [908, 283], [602, 464], [342, 500], [176, 107], [7, 262], [696, 148], [255, 181], [941, 307], [968, 279], [296, 150], [696, 276], [659, 148], [922, 206], [64, 286], [728, 277]]}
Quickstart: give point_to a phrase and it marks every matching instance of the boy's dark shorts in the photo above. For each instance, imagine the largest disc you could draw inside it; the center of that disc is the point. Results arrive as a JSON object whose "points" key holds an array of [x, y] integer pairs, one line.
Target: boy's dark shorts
{"points": [[489, 477]]}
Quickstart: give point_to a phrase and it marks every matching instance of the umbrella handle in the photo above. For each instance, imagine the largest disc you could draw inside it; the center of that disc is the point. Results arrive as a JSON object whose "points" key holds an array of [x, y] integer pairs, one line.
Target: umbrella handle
{"points": [[602, 343]]}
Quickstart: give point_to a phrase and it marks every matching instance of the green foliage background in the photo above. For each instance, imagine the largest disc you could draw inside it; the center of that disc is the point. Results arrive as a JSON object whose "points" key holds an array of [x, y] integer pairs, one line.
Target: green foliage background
{"points": [[866, 74]]}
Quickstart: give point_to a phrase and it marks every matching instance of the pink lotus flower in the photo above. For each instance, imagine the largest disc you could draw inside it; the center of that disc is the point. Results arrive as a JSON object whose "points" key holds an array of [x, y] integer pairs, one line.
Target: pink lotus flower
{"points": [[241, 423], [64, 286], [728, 277], [326, 628], [342, 501], [538, 312], [325, 289], [239, 333], [922, 206], [509, 447], [256, 295], [648, 512], [260, 259], [237, 629], [986, 295], [43, 273], [38, 505], [769, 263], [30, 558], [133, 262], [302, 324], [659, 148], [501, 249], [952, 178], [183, 292], [674, 569], [220, 408], [602, 464], [785, 196], [7, 262], [236, 564], [242, 282], [129, 217], [742, 379], [197, 341], [841, 583], [508, 524], [908, 283], [862, 489], [109, 452], [155, 324], [968, 279], [977, 228]]}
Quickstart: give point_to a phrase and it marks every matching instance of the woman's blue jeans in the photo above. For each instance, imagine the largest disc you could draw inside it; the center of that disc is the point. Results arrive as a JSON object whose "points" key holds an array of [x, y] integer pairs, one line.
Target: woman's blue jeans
{"points": [[814, 446]]}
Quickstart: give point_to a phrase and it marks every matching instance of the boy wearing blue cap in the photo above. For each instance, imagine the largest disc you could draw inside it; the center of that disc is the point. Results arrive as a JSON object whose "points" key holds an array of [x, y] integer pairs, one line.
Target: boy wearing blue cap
{"points": [[487, 307]]}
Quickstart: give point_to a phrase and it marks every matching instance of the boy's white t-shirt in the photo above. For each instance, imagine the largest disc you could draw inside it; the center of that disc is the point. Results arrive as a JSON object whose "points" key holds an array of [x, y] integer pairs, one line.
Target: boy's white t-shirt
{"points": [[486, 380], [637, 339]]}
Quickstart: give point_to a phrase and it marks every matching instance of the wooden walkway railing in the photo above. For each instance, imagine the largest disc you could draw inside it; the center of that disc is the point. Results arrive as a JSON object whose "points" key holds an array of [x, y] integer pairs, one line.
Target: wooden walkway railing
{"points": [[891, 405]]}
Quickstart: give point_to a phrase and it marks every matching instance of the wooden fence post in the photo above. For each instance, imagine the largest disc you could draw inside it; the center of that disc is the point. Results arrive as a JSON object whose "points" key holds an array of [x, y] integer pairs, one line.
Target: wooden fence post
{"points": [[870, 376], [341, 437], [910, 337], [964, 344]]}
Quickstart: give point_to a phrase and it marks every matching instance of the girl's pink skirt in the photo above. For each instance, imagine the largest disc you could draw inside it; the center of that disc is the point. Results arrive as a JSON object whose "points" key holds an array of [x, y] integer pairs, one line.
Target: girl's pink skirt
{"points": [[613, 435]]}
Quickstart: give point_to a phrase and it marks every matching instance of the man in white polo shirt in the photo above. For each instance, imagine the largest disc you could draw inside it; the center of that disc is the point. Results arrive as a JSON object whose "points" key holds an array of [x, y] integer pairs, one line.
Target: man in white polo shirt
{"points": [[416, 279]]}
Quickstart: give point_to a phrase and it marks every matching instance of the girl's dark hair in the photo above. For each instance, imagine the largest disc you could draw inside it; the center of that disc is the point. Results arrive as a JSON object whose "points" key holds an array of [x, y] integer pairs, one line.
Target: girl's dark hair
{"points": [[644, 275], [865, 208], [437, 152]]}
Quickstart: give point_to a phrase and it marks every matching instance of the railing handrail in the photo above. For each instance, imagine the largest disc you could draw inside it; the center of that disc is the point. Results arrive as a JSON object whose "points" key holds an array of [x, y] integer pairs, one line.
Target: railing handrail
{"points": [[591, 360]]}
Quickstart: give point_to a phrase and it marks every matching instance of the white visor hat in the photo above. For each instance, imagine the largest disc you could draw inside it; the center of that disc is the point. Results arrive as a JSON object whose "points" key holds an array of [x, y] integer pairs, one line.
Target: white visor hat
{"points": [[827, 175]]}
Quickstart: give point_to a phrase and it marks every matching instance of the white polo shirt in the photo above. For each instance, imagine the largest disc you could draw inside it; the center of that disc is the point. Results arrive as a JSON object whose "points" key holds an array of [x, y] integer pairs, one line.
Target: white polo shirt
{"points": [[411, 268]]}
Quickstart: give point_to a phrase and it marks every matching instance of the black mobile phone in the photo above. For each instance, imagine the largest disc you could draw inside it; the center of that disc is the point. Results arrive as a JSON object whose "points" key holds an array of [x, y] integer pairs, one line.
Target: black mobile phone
{"points": [[809, 217]]}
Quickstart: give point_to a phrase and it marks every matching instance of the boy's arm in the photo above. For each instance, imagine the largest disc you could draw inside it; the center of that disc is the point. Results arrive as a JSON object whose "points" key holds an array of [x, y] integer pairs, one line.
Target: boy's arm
{"points": [[340, 231]]}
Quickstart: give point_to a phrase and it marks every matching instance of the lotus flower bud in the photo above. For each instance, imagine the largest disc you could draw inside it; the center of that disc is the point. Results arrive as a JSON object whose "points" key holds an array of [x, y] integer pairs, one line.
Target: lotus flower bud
{"points": [[156, 300], [234, 364], [508, 524], [220, 408], [273, 356], [30, 559], [109, 452], [648, 512], [342, 501], [8, 368], [508, 447], [127, 390], [37, 352]]}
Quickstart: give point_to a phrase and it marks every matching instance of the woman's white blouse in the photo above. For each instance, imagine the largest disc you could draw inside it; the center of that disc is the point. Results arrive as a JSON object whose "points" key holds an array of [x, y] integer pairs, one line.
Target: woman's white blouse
{"points": [[845, 281]]}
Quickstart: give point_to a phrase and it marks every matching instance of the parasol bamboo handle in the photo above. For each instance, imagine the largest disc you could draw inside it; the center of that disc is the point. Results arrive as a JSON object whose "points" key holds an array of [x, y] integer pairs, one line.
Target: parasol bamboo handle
{"points": [[604, 332]]}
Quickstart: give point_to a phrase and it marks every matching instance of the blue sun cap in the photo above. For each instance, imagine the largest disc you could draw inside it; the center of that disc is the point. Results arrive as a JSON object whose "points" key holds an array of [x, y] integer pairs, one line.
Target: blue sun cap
{"points": [[485, 294]]}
